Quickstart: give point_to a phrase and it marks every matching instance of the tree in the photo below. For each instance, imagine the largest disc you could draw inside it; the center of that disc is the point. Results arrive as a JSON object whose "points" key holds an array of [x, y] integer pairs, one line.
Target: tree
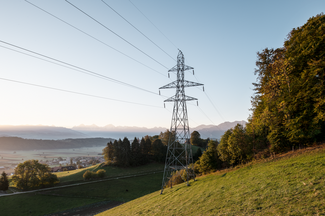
{"points": [[167, 137], [239, 147], [108, 152], [136, 152], [197, 154], [209, 160], [117, 145], [222, 148], [31, 174], [196, 139], [158, 151], [4, 182], [289, 102], [87, 175], [126, 152]]}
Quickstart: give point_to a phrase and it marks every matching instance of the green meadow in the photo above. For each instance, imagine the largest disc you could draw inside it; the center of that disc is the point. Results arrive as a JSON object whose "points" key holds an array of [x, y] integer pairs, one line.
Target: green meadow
{"points": [[288, 185]]}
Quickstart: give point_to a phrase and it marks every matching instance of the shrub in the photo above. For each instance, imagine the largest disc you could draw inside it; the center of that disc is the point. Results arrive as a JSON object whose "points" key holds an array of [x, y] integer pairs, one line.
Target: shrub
{"points": [[101, 173], [87, 175]]}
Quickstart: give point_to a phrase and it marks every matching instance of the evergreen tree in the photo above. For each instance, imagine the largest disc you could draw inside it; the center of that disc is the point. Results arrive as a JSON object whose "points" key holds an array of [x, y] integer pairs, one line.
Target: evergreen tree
{"points": [[108, 152], [136, 153], [4, 182], [209, 160], [126, 152], [118, 154], [158, 151], [197, 154]]}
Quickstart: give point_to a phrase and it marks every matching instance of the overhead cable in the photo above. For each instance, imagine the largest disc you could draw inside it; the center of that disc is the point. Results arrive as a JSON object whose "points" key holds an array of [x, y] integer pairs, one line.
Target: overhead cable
{"points": [[153, 24], [74, 92], [100, 41], [116, 34], [137, 29], [79, 69]]}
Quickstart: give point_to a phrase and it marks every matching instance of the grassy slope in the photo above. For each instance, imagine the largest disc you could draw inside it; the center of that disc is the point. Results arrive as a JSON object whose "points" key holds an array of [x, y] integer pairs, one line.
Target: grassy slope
{"points": [[287, 186], [72, 197], [76, 175]]}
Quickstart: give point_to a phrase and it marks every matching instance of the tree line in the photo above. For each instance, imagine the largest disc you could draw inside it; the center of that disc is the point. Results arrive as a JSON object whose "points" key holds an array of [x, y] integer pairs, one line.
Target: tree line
{"points": [[288, 106], [139, 152]]}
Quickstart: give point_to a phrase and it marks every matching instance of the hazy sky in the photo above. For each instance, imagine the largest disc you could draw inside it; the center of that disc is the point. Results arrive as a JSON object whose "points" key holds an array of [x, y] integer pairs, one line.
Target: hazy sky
{"points": [[218, 38]]}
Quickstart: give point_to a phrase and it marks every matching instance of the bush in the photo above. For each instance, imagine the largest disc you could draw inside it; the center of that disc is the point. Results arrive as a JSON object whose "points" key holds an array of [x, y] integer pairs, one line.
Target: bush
{"points": [[101, 173], [180, 176], [93, 175], [87, 175]]}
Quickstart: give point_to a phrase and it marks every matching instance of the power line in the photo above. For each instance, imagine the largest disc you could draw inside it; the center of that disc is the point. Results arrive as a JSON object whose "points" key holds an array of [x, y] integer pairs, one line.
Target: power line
{"points": [[136, 29], [74, 92], [93, 37], [79, 69], [116, 34], [153, 24], [211, 101], [214, 106]]}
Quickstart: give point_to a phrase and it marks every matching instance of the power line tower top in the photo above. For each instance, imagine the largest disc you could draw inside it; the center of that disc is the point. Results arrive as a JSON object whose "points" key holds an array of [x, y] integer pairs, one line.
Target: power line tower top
{"points": [[179, 152]]}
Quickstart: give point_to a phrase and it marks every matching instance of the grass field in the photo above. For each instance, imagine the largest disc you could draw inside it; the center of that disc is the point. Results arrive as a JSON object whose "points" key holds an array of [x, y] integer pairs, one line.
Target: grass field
{"points": [[291, 185], [77, 196], [76, 175]]}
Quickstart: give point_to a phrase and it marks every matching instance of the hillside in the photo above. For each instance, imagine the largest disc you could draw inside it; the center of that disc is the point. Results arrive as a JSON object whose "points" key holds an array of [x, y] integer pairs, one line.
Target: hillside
{"points": [[292, 184], [20, 144], [39, 132], [216, 131]]}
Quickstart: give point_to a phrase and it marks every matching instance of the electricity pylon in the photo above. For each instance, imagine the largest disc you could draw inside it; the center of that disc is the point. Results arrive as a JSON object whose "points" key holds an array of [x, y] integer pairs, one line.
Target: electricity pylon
{"points": [[179, 152]]}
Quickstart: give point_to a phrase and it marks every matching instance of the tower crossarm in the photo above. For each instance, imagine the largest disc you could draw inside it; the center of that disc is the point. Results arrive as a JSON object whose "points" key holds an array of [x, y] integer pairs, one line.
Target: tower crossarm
{"points": [[186, 84], [186, 67], [187, 98]]}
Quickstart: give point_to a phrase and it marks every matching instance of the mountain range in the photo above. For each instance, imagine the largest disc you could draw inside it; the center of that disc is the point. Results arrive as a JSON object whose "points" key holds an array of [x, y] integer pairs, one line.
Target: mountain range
{"points": [[108, 131]]}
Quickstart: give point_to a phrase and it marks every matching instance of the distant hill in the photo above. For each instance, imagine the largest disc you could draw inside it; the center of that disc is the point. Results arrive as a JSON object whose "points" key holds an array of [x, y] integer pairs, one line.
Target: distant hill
{"points": [[108, 131], [211, 131], [20, 144], [40, 132], [117, 132], [216, 131]]}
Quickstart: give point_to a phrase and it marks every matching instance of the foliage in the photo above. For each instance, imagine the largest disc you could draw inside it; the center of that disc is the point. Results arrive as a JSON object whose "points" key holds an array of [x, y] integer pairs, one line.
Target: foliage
{"points": [[209, 160], [197, 141], [123, 154], [87, 175], [93, 175], [195, 138], [167, 137], [180, 176], [4, 182], [289, 102], [32, 174], [197, 154], [101, 173], [158, 151]]}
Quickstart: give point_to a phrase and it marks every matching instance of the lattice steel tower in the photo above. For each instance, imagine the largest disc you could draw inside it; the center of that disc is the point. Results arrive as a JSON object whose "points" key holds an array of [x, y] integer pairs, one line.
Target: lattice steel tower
{"points": [[179, 152]]}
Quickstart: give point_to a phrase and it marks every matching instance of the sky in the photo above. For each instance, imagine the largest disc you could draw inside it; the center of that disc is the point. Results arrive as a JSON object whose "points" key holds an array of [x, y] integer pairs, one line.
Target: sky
{"points": [[219, 39]]}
